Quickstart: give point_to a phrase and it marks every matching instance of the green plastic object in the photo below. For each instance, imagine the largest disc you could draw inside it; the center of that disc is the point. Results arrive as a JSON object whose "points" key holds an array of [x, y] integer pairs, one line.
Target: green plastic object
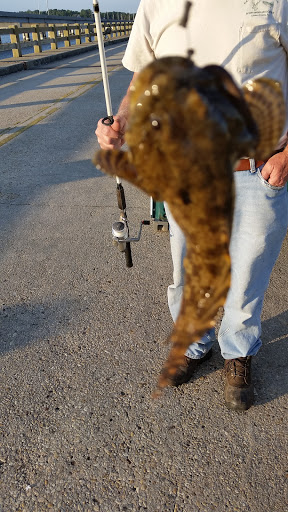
{"points": [[159, 209], [158, 216]]}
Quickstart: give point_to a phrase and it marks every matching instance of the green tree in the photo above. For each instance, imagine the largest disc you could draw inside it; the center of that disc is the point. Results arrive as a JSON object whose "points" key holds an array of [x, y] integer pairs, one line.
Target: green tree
{"points": [[84, 13]]}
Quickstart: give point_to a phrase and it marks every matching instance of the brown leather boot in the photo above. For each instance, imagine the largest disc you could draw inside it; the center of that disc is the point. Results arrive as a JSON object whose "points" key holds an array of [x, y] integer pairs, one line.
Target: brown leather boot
{"points": [[185, 372], [238, 393]]}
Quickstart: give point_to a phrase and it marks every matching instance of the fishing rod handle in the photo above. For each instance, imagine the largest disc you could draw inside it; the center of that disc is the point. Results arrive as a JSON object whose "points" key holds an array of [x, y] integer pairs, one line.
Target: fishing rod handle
{"points": [[121, 198], [128, 255]]}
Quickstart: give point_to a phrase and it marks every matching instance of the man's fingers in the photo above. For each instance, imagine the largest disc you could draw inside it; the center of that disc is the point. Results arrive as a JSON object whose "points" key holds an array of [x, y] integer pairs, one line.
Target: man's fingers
{"points": [[266, 171], [273, 175], [275, 171], [107, 142], [270, 174], [109, 136]]}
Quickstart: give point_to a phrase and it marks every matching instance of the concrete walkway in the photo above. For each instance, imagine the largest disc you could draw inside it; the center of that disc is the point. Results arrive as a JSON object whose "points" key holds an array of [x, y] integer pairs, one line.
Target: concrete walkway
{"points": [[82, 337]]}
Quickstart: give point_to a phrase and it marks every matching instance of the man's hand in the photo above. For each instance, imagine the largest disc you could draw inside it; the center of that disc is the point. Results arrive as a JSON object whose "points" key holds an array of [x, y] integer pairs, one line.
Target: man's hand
{"points": [[111, 137], [275, 171]]}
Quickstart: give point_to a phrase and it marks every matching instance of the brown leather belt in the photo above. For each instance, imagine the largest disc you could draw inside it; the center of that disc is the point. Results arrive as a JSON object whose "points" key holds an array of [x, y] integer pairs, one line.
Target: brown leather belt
{"points": [[244, 164]]}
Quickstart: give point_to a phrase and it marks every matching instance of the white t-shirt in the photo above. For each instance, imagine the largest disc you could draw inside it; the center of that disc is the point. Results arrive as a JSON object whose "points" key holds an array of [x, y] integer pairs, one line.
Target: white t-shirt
{"points": [[247, 37]]}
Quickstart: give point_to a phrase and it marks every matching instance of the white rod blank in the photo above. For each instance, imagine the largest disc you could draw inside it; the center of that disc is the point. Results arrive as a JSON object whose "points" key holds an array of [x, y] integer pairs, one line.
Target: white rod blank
{"points": [[100, 41], [102, 57]]}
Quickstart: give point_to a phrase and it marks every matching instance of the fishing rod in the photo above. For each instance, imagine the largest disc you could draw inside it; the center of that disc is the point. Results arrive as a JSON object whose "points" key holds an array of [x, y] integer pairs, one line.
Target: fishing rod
{"points": [[120, 229]]}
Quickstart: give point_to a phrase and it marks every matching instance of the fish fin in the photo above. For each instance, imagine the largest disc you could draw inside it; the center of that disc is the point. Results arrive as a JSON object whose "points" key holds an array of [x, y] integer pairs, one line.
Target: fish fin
{"points": [[236, 95], [116, 163], [266, 103]]}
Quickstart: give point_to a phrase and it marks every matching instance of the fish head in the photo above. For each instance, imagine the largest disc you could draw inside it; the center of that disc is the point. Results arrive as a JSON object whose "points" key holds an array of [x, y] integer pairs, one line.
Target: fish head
{"points": [[173, 102]]}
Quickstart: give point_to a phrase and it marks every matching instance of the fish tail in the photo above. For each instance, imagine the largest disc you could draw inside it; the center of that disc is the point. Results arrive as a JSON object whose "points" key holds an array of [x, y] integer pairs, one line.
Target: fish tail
{"points": [[176, 358]]}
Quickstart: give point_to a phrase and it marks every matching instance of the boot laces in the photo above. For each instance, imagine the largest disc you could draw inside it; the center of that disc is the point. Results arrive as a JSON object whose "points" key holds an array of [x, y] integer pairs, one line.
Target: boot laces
{"points": [[239, 368]]}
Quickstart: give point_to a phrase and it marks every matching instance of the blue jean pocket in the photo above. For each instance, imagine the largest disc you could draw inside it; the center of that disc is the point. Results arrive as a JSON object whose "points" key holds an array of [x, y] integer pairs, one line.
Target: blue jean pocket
{"points": [[265, 182]]}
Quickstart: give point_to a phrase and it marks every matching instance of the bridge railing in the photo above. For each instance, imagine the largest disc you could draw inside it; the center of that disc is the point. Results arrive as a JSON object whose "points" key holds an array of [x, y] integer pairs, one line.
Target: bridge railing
{"points": [[53, 35]]}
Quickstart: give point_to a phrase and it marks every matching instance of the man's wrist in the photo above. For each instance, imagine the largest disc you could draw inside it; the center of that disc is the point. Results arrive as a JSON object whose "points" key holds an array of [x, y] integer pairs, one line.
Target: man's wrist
{"points": [[123, 114]]}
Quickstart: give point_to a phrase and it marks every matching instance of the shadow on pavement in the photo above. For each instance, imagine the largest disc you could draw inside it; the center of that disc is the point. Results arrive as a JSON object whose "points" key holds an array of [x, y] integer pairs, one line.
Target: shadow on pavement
{"points": [[271, 377], [27, 323]]}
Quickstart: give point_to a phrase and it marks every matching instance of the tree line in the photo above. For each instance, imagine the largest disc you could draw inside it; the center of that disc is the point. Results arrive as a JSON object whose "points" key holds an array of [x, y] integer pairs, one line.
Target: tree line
{"points": [[84, 13]]}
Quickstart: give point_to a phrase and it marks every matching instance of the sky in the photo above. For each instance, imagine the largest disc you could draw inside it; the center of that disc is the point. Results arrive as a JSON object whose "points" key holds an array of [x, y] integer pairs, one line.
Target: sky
{"points": [[73, 5]]}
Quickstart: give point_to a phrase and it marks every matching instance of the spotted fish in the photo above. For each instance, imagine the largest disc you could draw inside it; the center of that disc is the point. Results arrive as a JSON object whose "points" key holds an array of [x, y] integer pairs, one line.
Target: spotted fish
{"points": [[188, 126]]}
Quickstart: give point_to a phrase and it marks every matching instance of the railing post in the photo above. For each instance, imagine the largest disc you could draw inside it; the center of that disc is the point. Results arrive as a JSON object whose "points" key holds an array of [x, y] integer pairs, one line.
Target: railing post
{"points": [[14, 38], [66, 35], [36, 39], [87, 34], [52, 34], [78, 34]]}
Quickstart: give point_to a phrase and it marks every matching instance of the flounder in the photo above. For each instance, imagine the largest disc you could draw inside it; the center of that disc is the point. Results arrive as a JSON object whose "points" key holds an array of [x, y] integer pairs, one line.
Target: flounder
{"points": [[188, 126]]}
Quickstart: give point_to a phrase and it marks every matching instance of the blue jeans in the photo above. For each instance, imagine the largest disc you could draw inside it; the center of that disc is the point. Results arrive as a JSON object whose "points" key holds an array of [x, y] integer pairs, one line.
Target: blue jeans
{"points": [[259, 228]]}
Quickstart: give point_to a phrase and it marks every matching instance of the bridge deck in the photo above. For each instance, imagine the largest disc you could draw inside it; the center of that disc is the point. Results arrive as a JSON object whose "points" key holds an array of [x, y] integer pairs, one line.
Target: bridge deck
{"points": [[82, 336]]}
